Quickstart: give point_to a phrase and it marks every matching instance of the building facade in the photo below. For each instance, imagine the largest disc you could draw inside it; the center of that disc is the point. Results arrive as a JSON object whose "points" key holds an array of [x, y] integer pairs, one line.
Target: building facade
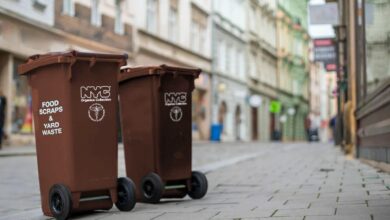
{"points": [[253, 54], [262, 75], [322, 99], [229, 69], [178, 33], [293, 67], [36, 27], [363, 78]]}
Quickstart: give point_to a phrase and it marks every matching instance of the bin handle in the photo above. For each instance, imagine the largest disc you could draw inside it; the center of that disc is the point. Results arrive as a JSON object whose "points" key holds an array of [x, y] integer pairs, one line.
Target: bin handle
{"points": [[69, 72], [31, 65], [92, 62]]}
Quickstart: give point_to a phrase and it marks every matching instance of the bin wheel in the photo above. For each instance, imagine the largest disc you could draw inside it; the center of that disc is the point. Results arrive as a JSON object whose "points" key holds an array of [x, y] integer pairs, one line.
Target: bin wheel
{"points": [[198, 185], [126, 194], [60, 202], [152, 188]]}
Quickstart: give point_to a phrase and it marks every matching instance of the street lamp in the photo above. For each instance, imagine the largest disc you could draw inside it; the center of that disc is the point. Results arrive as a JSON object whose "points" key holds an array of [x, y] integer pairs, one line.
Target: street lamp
{"points": [[291, 111]]}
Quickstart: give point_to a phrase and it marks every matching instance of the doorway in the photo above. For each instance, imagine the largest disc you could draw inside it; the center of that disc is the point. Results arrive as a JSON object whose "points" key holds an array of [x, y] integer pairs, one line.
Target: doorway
{"points": [[237, 120], [255, 126], [222, 115]]}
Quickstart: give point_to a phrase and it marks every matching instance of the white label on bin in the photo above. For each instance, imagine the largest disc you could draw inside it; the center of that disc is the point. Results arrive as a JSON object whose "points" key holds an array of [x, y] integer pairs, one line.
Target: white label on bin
{"points": [[176, 114], [96, 112], [52, 127], [175, 98], [95, 93]]}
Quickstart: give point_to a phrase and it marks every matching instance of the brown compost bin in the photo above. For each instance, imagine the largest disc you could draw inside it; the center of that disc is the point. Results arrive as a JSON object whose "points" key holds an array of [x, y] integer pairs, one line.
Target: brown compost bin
{"points": [[155, 106], [74, 105]]}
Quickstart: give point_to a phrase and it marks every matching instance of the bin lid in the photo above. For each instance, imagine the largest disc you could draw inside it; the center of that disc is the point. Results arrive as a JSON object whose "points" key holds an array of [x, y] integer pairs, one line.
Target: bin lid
{"points": [[39, 60], [128, 73]]}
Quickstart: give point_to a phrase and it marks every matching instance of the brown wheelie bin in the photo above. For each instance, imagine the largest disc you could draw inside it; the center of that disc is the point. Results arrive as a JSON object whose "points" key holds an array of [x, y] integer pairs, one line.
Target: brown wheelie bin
{"points": [[155, 106], [74, 107]]}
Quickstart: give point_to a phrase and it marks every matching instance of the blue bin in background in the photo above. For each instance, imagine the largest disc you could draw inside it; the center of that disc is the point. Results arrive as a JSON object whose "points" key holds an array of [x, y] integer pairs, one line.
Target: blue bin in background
{"points": [[215, 134]]}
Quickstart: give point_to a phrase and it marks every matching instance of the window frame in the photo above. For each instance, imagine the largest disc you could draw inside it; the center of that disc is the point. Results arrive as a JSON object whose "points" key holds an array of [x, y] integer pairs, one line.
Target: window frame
{"points": [[96, 15], [68, 8], [152, 14]]}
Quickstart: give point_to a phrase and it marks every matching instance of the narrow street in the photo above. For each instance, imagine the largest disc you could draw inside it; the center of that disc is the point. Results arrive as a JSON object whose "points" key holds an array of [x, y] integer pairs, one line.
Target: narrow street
{"points": [[246, 181]]}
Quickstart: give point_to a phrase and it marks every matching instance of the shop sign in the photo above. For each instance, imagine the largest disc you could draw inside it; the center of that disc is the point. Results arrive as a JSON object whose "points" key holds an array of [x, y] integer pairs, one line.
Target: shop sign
{"points": [[275, 107]]}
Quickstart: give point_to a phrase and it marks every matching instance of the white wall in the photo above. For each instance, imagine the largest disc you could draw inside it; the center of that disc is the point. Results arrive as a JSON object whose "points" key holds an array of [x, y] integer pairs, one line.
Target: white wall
{"points": [[27, 9], [108, 7], [138, 9], [231, 10]]}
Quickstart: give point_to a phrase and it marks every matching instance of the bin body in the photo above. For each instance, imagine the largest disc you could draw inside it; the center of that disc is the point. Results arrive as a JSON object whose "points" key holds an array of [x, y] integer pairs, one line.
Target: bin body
{"points": [[216, 130], [155, 105], [75, 120]]}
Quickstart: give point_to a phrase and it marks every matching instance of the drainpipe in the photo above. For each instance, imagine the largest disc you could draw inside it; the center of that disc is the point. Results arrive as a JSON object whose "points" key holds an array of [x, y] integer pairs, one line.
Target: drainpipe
{"points": [[214, 81], [278, 126]]}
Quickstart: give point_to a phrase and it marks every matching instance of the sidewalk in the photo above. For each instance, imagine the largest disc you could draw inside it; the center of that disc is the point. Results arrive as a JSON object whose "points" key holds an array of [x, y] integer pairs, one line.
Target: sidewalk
{"points": [[11, 151], [29, 150], [246, 181]]}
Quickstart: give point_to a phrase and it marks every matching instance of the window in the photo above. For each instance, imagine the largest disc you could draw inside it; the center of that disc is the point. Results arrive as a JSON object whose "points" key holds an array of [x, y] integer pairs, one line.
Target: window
{"points": [[377, 44], [173, 21], [194, 36], [202, 40], [96, 18], [22, 106], [40, 4], [228, 57], [151, 16], [198, 29], [233, 61], [241, 64], [68, 7], [295, 87], [222, 56], [252, 19], [119, 28], [253, 68], [216, 58]]}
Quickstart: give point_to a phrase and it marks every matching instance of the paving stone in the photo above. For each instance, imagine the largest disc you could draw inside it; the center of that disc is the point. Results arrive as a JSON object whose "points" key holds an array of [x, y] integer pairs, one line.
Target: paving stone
{"points": [[295, 205], [237, 214], [282, 183], [355, 217], [305, 212], [186, 216], [379, 202], [282, 218], [380, 210], [349, 211], [337, 205], [381, 217], [376, 187], [119, 216]]}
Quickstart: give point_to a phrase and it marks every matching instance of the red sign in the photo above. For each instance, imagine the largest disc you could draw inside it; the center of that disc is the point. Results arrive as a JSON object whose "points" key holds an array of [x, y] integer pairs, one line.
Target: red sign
{"points": [[330, 67], [323, 42]]}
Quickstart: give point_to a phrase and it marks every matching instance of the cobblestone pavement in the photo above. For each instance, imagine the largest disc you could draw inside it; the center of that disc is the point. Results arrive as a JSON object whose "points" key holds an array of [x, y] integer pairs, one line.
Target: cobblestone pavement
{"points": [[246, 181]]}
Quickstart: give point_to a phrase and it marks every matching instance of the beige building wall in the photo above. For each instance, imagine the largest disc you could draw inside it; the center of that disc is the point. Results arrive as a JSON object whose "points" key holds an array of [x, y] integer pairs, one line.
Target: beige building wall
{"points": [[23, 35], [155, 44]]}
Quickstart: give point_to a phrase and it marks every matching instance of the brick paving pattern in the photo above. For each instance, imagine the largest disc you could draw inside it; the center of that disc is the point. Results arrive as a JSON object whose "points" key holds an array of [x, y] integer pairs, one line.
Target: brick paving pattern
{"points": [[246, 181]]}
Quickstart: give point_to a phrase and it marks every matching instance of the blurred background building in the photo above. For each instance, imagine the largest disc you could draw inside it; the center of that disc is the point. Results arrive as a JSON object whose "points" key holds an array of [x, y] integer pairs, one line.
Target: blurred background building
{"points": [[229, 88], [293, 67], [363, 86], [258, 80], [262, 76]]}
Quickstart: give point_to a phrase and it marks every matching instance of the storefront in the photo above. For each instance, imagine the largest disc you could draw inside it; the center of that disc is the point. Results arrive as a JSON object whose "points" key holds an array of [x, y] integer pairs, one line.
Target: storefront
{"points": [[372, 79], [200, 108], [18, 124], [20, 41], [232, 108], [148, 55], [292, 118]]}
